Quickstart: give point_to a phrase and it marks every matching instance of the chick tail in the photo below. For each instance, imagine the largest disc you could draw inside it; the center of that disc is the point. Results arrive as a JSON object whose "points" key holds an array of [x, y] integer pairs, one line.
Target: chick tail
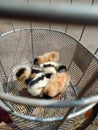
{"points": [[61, 68]]}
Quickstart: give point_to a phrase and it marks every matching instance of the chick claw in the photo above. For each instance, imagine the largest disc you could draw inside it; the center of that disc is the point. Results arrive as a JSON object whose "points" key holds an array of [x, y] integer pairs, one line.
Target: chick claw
{"points": [[58, 97]]}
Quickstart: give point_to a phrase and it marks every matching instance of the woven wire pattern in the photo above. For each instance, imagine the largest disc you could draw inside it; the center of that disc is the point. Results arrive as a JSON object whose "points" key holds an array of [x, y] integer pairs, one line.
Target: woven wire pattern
{"points": [[19, 51], [29, 125]]}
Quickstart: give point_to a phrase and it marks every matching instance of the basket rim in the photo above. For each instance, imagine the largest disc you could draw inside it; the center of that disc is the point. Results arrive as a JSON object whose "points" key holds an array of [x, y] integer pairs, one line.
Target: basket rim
{"points": [[50, 119], [50, 103]]}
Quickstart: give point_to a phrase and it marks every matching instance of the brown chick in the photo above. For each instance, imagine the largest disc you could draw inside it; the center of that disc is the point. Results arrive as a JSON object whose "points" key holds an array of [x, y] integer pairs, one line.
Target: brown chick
{"points": [[47, 57], [23, 73], [57, 84]]}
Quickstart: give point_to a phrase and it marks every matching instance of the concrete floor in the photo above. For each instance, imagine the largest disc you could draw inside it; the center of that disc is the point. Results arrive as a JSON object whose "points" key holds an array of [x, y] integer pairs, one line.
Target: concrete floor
{"points": [[90, 36]]}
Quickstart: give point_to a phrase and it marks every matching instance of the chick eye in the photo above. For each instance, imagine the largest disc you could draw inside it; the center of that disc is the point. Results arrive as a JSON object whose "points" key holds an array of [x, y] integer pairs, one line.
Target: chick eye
{"points": [[24, 77]]}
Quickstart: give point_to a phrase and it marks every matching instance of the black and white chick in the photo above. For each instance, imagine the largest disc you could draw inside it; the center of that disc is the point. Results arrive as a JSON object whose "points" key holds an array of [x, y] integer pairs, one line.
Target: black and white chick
{"points": [[36, 84], [34, 78], [53, 67]]}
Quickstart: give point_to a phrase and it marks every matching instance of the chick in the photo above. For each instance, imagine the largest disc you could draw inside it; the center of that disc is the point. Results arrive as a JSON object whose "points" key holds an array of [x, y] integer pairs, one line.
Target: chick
{"points": [[57, 84], [26, 71], [23, 73], [36, 85], [52, 67], [49, 56], [35, 71], [34, 78]]}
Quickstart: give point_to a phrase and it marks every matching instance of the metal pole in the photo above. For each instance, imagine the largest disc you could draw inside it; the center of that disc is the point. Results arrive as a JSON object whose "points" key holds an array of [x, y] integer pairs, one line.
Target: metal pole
{"points": [[76, 14]]}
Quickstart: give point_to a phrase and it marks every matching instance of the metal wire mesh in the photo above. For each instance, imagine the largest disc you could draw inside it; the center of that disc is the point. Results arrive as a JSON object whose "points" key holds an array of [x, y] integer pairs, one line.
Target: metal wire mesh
{"points": [[80, 62]]}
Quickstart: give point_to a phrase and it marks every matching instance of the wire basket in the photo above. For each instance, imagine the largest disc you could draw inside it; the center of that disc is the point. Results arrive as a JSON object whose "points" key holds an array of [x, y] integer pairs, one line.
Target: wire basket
{"points": [[79, 61], [21, 46]]}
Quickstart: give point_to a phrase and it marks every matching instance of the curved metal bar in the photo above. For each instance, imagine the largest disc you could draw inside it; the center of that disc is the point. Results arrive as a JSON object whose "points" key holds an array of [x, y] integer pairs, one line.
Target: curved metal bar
{"points": [[82, 111], [96, 51], [3, 106], [31, 118], [88, 121], [40, 119], [49, 103]]}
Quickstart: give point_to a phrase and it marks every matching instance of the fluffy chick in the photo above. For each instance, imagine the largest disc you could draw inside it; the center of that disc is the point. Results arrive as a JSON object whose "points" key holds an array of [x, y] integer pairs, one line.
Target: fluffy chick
{"points": [[26, 71], [52, 67], [35, 71], [34, 78], [57, 84], [36, 85], [23, 73], [49, 56]]}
